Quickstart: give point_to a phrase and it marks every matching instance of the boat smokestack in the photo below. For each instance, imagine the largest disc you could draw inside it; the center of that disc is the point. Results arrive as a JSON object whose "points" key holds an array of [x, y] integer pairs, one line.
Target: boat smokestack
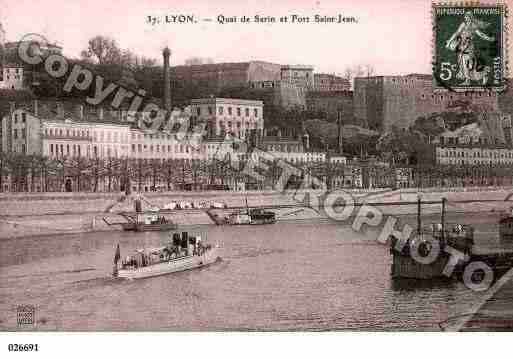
{"points": [[167, 84]]}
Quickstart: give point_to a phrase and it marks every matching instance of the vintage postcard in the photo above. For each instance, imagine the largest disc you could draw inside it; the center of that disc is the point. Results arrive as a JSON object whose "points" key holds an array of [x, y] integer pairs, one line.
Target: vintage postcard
{"points": [[291, 166]]}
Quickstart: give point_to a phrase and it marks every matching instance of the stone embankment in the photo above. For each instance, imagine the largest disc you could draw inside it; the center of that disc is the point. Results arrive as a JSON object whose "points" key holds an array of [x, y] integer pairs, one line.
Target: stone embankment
{"points": [[59, 213]]}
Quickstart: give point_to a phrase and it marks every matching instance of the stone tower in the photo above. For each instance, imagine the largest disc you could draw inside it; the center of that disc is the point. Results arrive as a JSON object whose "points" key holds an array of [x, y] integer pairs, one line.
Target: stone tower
{"points": [[2, 35], [2, 51], [167, 84]]}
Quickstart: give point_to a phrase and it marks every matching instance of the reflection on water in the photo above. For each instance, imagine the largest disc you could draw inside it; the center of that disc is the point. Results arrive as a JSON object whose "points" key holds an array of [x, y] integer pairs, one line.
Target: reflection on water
{"points": [[288, 276], [409, 285]]}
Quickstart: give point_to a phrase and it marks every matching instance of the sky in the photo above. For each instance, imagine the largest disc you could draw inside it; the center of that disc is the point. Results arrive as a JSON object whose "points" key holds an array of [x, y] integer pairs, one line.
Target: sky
{"points": [[394, 36]]}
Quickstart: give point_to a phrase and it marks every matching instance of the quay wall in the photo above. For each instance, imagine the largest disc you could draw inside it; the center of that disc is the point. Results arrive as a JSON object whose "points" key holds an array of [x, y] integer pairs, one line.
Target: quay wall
{"points": [[60, 213]]}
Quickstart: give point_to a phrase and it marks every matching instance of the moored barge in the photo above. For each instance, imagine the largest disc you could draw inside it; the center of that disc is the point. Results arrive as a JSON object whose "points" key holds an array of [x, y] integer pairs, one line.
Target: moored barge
{"points": [[428, 254]]}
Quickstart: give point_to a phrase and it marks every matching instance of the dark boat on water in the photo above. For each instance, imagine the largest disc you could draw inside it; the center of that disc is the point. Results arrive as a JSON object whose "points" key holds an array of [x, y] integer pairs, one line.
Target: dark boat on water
{"points": [[151, 221], [252, 216], [428, 254], [140, 221]]}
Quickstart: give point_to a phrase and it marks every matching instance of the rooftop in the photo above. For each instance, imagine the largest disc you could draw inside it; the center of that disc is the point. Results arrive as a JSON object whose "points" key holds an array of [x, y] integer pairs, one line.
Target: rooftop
{"points": [[226, 101]]}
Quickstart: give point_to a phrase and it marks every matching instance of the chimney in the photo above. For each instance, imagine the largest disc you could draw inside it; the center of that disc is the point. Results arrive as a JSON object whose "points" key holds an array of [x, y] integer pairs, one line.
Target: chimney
{"points": [[167, 85], [60, 109], [340, 129], [36, 108]]}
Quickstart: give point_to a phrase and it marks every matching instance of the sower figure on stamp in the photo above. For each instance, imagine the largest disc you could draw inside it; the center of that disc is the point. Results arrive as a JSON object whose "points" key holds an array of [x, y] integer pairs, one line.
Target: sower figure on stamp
{"points": [[462, 41]]}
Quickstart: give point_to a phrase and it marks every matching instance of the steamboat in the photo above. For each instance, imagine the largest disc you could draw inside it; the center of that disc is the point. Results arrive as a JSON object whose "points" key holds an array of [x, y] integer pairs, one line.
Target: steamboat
{"points": [[184, 252]]}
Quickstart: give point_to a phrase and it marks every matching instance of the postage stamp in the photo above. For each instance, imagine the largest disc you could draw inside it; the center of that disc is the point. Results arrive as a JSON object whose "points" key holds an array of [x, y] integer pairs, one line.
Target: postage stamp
{"points": [[470, 47]]}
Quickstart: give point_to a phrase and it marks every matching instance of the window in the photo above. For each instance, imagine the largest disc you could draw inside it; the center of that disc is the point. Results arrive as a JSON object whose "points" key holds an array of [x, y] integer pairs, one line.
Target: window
{"points": [[15, 134], [247, 112], [23, 133], [220, 110], [23, 148], [15, 118], [256, 112], [210, 111], [229, 111], [23, 117], [133, 147], [238, 111], [51, 148], [198, 111]]}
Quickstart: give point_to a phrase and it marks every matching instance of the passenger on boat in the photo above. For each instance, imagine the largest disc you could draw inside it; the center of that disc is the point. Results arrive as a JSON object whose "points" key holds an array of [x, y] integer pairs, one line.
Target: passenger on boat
{"points": [[457, 228]]}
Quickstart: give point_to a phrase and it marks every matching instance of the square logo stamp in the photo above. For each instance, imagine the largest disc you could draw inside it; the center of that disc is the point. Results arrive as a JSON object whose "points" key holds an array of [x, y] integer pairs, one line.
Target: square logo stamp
{"points": [[470, 47], [26, 315]]}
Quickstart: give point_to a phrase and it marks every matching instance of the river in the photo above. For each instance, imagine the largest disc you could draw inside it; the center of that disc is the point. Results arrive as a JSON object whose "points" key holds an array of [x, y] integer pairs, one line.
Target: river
{"points": [[297, 275]]}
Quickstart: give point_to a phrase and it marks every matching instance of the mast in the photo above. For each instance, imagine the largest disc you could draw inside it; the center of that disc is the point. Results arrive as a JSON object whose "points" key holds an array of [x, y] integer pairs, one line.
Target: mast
{"points": [[419, 223], [443, 217]]}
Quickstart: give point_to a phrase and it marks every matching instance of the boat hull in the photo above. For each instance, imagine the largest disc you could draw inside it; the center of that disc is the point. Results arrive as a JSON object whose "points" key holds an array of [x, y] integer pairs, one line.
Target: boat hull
{"points": [[148, 227], [172, 266], [407, 267]]}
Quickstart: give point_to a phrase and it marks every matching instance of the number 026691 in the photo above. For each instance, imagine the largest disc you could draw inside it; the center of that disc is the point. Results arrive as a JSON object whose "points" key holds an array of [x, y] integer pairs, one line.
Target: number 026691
{"points": [[22, 347]]}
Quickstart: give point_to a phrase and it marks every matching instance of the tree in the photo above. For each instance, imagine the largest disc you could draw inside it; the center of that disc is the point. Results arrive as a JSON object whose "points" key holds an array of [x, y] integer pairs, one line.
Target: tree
{"points": [[102, 50], [358, 71]]}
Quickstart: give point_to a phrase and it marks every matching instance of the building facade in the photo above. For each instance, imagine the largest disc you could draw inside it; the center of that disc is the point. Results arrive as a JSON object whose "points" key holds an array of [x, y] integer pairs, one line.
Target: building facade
{"points": [[278, 93], [298, 75], [228, 116], [331, 103], [198, 81], [385, 101], [474, 154], [12, 77], [330, 82]]}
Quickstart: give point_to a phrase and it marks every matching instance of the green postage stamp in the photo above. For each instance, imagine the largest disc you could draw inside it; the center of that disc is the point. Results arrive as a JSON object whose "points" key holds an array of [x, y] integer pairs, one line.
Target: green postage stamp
{"points": [[470, 47]]}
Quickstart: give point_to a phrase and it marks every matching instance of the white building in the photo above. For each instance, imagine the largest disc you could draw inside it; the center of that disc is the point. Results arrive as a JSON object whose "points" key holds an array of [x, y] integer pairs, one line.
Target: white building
{"points": [[228, 115], [474, 154], [12, 77]]}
